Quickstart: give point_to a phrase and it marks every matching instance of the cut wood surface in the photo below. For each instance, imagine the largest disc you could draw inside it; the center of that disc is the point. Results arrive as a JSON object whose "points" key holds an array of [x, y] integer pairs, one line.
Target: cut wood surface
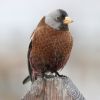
{"points": [[53, 88]]}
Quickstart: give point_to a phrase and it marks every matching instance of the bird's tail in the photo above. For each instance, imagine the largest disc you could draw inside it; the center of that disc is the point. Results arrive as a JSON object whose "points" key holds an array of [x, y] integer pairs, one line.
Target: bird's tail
{"points": [[26, 79]]}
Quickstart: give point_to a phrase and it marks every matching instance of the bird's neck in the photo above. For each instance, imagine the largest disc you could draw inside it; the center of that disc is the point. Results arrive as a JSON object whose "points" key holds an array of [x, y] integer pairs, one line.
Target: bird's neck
{"points": [[64, 27]]}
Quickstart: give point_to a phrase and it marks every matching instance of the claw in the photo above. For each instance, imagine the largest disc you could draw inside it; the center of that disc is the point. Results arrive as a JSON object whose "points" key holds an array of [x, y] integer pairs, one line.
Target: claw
{"points": [[57, 74]]}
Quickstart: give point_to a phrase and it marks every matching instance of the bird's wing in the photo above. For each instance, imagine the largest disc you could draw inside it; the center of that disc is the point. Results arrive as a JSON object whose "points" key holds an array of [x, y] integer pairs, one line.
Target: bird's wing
{"points": [[28, 55], [29, 66]]}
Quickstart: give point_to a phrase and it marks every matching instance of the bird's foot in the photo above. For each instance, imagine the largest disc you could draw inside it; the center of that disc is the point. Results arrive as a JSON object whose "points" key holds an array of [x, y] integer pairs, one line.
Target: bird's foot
{"points": [[57, 74], [44, 75]]}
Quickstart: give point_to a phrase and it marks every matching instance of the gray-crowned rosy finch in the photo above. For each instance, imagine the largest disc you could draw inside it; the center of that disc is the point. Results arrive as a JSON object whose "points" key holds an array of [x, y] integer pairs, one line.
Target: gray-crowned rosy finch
{"points": [[50, 46]]}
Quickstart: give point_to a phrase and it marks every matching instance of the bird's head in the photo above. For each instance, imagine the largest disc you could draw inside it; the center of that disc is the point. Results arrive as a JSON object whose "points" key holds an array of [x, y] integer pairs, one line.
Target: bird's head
{"points": [[58, 20]]}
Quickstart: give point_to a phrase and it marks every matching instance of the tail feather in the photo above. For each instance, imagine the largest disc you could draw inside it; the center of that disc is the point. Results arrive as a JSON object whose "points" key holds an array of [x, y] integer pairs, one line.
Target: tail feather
{"points": [[26, 79]]}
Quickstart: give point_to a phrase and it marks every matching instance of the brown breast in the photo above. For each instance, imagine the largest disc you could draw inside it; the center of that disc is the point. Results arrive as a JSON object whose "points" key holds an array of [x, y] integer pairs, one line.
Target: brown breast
{"points": [[51, 46]]}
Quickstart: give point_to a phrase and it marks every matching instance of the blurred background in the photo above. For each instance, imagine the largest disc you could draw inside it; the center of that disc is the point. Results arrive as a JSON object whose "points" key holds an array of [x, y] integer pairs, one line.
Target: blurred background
{"points": [[18, 19]]}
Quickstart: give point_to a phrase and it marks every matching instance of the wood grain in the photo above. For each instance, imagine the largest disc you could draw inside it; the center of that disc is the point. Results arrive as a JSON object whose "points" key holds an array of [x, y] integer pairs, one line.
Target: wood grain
{"points": [[53, 88]]}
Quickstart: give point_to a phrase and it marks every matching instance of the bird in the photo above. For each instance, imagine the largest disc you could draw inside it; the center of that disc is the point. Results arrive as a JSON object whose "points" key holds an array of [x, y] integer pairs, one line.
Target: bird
{"points": [[50, 46]]}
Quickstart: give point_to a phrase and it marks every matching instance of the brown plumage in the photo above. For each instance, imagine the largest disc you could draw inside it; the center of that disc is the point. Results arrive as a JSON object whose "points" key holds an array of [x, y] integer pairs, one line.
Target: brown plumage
{"points": [[49, 50]]}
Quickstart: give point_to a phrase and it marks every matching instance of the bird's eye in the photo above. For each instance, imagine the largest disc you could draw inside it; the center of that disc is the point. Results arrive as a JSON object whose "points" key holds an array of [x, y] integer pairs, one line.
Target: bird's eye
{"points": [[58, 18], [63, 16]]}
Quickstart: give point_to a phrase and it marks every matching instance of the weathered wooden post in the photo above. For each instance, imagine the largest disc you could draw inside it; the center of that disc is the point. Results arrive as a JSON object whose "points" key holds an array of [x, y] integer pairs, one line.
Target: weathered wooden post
{"points": [[53, 88]]}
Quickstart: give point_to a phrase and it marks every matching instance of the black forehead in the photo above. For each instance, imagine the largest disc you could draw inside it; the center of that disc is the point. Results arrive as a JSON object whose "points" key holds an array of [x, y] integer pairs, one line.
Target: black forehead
{"points": [[64, 13]]}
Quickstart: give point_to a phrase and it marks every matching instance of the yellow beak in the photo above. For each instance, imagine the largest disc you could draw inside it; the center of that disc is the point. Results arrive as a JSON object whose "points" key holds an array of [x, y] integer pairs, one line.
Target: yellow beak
{"points": [[67, 20]]}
